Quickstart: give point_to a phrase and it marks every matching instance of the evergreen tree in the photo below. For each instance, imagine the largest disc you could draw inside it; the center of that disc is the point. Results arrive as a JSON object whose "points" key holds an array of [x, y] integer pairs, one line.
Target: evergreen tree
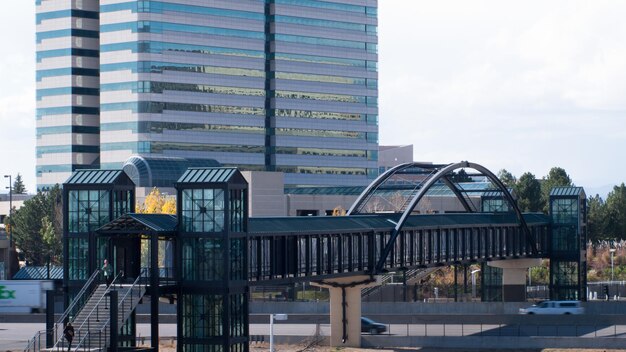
{"points": [[616, 213], [507, 178], [28, 223], [528, 192], [557, 177], [18, 185], [460, 176], [596, 219]]}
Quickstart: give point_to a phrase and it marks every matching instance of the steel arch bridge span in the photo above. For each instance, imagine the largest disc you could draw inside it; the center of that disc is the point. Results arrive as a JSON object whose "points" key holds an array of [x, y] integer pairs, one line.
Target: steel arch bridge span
{"points": [[418, 179]]}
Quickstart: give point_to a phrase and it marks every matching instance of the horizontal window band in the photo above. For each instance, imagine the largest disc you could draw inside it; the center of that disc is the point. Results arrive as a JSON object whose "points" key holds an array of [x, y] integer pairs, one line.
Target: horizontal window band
{"points": [[160, 87], [160, 27], [159, 127], [66, 13], [67, 52], [161, 6], [159, 107], [67, 91], [56, 149], [42, 131], [62, 110], [72, 32], [159, 67], [67, 71], [157, 47]]}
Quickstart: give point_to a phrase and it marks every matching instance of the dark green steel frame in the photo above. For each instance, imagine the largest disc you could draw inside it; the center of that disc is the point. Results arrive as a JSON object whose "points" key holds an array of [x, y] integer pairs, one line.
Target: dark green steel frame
{"points": [[575, 257], [226, 287]]}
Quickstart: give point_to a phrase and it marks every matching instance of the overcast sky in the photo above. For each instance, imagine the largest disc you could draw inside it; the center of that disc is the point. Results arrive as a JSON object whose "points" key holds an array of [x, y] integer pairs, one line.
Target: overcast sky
{"points": [[522, 85]]}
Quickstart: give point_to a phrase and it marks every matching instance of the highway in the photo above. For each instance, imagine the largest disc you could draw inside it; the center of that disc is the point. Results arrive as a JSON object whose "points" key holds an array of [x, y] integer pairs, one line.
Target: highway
{"points": [[13, 336]]}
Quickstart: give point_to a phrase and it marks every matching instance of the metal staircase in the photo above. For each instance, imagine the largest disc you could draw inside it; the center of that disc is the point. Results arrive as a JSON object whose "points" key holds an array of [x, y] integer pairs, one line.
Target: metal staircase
{"points": [[93, 320], [37, 342], [412, 276], [92, 324]]}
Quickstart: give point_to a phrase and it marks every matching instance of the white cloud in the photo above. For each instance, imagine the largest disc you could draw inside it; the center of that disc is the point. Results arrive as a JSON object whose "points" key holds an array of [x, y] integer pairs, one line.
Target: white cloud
{"points": [[523, 86]]}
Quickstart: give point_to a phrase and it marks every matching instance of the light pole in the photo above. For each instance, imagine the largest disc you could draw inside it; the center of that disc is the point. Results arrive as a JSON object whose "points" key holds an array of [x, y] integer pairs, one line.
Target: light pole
{"points": [[272, 318], [10, 188], [474, 282], [612, 250]]}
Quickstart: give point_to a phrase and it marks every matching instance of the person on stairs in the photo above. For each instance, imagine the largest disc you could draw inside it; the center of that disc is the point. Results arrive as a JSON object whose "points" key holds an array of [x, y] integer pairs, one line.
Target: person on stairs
{"points": [[107, 272], [68, 332]]}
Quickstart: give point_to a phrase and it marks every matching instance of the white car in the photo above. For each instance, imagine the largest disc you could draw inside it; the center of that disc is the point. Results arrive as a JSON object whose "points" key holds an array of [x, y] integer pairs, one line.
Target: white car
{"points": [[554, 307]]}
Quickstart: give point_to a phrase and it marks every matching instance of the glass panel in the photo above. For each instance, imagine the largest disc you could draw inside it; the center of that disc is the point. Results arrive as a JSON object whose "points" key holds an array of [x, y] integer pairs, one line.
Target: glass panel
{"points": [[203, 210], [565, 211], [237, 315], [203, 259], [201, 316], [77, 258], [237, 259]]}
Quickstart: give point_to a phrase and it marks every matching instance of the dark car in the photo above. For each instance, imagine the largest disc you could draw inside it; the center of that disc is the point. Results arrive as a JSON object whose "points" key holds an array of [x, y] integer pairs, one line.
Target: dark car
{"points": [[368, 325]]}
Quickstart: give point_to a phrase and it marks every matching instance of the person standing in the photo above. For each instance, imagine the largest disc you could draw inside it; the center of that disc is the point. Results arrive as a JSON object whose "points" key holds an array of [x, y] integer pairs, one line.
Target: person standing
{"points": [[107, 272], [68, 332]]}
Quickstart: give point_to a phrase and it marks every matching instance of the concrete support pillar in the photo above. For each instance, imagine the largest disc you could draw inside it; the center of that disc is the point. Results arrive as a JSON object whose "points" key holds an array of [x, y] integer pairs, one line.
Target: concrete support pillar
{"points": [[345, 309], [514, 277]]}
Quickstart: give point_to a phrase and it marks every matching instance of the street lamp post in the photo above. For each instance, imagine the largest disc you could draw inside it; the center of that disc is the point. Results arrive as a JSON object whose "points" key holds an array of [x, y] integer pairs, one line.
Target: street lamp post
{"points": [[612, 250], [10, 188]]}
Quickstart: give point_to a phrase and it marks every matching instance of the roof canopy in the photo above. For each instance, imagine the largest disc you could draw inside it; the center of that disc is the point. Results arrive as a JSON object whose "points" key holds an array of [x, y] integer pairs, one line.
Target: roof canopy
{"points": [[39, 273], [98, 177], [379, 222], [567, 192], [196, 175], [140, 223]]}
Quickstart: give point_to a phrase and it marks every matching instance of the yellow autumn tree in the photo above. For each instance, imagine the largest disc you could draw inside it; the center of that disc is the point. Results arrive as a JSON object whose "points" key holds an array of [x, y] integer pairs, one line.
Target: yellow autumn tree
{"points": [[339, 211], [157, 203]]}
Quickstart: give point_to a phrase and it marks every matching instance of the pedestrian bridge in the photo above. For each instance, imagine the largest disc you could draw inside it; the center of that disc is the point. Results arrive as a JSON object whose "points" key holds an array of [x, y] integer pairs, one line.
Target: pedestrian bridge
{"points": [[209, 254], [396, 235], [285, 250]]}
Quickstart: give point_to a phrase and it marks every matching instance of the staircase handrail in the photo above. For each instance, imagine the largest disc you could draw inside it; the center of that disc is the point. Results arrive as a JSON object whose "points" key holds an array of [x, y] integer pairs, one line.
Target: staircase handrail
{"points": [[108, 321], [135, 283], [65, 315], [60, 339], [33, 341]]}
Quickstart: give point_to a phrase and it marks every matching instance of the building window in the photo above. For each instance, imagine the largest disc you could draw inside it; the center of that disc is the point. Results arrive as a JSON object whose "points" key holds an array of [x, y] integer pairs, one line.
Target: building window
{"points": [[203, 210], [87, 210]]}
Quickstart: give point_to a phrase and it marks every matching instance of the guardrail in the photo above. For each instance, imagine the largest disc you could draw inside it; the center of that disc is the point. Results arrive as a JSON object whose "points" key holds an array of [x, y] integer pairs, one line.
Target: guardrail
{"points": [[513, 330]]}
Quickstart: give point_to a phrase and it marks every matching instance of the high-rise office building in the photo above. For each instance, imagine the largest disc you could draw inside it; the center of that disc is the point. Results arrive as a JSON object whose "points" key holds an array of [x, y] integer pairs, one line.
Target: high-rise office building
{"points": [[68, 85], [277, 85]]}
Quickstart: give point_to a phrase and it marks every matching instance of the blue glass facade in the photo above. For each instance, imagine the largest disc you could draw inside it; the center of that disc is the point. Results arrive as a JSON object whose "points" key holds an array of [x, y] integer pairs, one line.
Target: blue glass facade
{"points": [[276, 85]]}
